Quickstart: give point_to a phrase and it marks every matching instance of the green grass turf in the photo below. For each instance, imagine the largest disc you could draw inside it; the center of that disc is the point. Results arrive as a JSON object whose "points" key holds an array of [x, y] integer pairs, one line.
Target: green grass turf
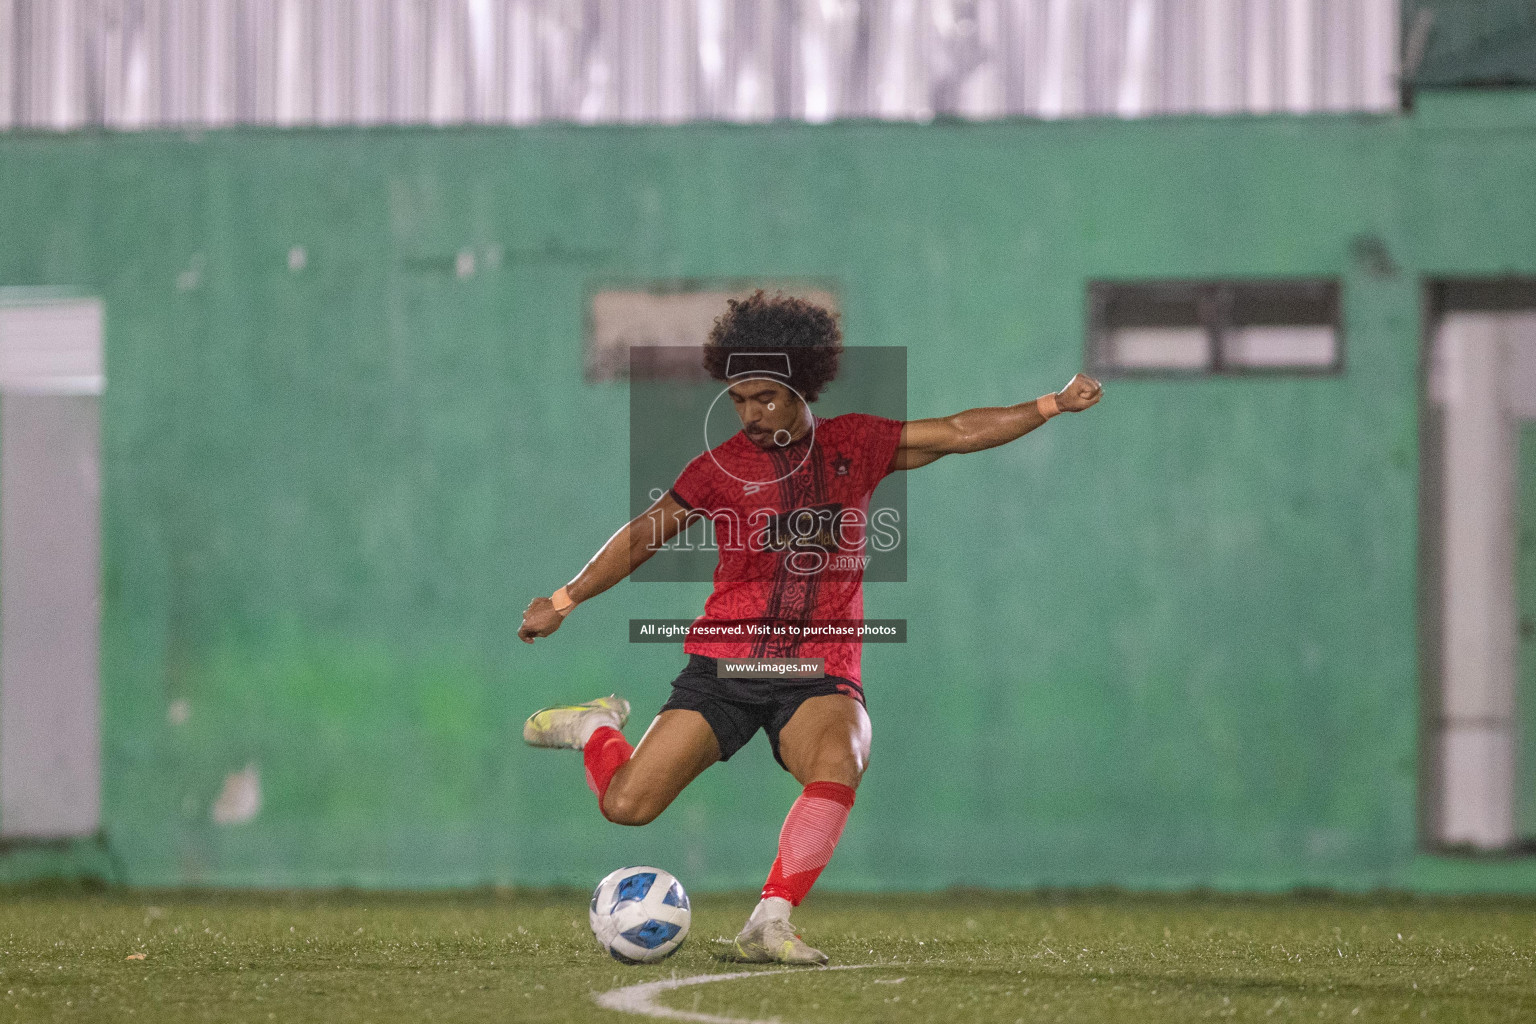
{"points": [[237, 958]]}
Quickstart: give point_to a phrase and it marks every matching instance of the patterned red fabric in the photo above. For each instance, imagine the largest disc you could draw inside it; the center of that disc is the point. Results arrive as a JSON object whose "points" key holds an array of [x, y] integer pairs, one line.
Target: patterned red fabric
{"points": [[810, 834], [792, 527], [605, 752]]}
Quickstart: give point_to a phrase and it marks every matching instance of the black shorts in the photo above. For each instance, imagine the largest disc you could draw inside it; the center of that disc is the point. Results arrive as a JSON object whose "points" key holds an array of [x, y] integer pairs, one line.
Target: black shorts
{"points": [[736, 708]]}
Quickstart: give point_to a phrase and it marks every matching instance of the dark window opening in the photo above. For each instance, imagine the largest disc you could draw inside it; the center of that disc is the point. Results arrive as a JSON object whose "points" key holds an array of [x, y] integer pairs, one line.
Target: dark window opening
{"points": [[1199, 328]]}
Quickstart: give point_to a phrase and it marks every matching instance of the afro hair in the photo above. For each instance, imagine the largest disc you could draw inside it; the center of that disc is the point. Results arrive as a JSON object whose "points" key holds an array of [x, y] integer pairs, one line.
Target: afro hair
{"points": [[803, 332]]}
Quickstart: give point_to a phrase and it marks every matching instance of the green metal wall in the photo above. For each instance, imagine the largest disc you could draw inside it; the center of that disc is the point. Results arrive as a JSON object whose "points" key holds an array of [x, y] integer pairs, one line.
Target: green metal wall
{"points": [[1168, 643]]}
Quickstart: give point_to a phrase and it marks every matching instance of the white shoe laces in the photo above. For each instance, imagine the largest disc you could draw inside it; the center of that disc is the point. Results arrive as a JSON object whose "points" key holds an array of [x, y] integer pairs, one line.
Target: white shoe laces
{"points": [[779, 931]]}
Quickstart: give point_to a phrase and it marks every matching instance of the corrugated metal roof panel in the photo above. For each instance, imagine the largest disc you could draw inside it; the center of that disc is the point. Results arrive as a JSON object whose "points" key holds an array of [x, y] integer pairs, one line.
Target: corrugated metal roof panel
{"points": [[156, 63]]}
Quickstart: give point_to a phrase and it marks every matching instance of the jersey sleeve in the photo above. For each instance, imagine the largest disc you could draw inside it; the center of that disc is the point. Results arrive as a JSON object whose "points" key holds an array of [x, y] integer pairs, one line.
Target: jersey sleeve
{"points": [[879, 439], [693, 486]]}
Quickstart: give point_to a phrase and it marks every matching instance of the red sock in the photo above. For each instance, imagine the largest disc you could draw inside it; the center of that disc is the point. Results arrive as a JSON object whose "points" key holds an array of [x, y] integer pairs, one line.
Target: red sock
{"points": [[810, 834], [605, 752]]}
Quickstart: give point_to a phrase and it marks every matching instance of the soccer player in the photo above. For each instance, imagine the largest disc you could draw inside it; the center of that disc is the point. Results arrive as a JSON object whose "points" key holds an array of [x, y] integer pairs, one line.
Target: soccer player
{"points": [[788, 497]]}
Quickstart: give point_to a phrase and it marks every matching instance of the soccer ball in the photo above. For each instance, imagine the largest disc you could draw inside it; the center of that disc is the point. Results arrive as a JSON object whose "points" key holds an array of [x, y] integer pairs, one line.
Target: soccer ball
{"points": [[640, 915]]}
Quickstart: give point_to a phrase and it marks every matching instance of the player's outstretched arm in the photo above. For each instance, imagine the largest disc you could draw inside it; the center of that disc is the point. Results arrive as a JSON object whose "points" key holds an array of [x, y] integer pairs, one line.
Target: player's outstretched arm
{"points": [[925, 441], [635, 541]]}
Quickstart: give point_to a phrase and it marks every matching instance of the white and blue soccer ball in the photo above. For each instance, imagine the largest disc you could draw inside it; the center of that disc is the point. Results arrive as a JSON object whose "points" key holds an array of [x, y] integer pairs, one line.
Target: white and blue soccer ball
{"points": [[640, 915]]}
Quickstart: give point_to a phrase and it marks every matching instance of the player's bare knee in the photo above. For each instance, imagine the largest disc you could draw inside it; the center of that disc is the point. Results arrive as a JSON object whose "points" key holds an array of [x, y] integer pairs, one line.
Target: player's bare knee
{"points": [[851, 766], [623, 808], [847, 771]]}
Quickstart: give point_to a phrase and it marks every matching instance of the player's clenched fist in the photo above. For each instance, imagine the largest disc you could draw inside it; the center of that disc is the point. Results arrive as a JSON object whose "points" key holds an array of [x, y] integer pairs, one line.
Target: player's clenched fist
{"points": [[1081, 392], [539, 619]]}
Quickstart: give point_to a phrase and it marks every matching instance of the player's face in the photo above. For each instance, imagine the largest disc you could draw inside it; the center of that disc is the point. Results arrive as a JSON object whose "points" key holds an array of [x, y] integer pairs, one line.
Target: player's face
{"points": [[766, 407]]}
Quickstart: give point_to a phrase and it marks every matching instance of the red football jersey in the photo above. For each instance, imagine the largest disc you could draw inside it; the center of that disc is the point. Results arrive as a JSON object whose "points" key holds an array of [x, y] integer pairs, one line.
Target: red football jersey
{"points": [[791, 525]]}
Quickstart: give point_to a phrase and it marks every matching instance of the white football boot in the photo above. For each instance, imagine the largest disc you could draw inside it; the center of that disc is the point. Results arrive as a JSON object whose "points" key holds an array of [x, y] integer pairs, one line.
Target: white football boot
{"points": [[773, 941], [570, 725]]}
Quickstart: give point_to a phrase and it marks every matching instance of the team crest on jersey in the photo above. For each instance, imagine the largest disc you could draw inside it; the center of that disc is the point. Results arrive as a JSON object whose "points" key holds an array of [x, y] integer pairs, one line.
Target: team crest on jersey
{"points": [[841, 464]]}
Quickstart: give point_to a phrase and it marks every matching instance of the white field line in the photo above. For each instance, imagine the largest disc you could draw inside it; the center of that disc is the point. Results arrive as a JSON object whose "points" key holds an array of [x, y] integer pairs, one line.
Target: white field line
{"points": [[638, 998]]}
